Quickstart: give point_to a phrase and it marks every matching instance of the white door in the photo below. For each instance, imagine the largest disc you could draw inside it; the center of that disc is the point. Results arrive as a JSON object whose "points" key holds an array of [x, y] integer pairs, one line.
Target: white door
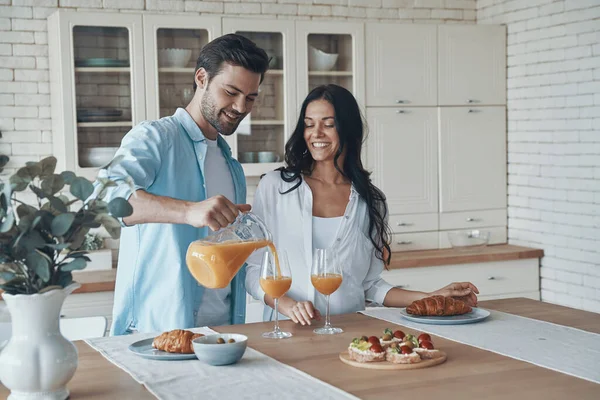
{"points": [[472, 158], [259, 142], [402, 153], [472, 64], [330, 52], [172, 44], [401, 64]]}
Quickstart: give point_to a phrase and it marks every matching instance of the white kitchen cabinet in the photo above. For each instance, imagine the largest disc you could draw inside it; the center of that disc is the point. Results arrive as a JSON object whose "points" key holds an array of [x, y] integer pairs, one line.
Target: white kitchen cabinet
{"points": [[472, 64], [96, 85], [89, 305], [495, 280], [343, 43], [472, 158], [402, 152], [401, 64], [169, 80], [259, 144]]}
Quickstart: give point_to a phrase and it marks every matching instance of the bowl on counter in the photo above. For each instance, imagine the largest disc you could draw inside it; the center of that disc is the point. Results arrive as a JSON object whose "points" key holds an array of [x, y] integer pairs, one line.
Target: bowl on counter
{"points": [[469, 239], [318, 60], [96, 156], [173, 57], [210, 351]]}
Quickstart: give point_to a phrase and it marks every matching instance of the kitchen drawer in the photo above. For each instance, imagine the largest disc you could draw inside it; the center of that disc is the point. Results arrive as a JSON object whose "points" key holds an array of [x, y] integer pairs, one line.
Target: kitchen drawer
{"points": [[497, 236], [472, 219], [414, 241], [413, 223], [491, 278], [88, 305]]}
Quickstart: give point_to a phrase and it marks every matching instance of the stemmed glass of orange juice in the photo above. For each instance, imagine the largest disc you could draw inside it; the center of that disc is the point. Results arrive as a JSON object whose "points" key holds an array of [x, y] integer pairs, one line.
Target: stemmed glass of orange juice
{"points": [[276, 280], [326, 277]]}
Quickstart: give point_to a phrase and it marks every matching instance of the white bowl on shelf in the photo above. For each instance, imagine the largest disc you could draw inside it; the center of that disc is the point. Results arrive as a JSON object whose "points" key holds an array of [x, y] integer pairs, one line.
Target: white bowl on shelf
{"points": [[171, 57], [464, 240], [96, 156], [318, 60]]}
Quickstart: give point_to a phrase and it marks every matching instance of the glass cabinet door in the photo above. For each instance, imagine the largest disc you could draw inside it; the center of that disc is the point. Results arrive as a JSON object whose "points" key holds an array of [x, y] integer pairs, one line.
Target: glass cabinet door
{"points": [[102, 67], [96, 78], [259, 141], [171, 54], [330, 53]]}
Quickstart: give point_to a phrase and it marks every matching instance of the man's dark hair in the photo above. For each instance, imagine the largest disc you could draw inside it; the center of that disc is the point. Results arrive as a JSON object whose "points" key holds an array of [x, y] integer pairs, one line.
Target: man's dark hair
{"points": [[235, 50]]}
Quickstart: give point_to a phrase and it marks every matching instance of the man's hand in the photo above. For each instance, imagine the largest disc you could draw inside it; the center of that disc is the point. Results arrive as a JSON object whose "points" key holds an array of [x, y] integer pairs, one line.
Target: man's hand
{"points": [[301, 312], [464, 291], [216, 212]]}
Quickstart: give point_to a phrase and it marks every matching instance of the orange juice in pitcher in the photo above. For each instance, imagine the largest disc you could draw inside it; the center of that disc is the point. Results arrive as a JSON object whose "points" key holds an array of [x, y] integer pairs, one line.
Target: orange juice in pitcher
{"points": [[216, 259]]}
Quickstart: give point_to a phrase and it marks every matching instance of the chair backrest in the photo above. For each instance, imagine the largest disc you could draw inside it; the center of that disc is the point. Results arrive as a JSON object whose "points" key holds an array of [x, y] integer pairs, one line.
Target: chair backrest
{"points": [[83, 328]]}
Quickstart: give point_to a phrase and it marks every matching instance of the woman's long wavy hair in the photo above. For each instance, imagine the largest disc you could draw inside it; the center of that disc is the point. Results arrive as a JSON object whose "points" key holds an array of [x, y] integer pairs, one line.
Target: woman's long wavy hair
{"points": [[349, 125]]}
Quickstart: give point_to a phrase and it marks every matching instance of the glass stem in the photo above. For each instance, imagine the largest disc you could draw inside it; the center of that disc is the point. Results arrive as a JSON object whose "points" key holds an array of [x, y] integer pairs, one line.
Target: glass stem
{"points": [[276, 315], [327, 322]]}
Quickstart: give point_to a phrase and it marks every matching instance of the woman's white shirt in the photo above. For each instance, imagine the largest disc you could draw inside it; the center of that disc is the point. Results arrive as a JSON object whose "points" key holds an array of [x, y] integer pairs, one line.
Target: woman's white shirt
{"points": [[289, 219]]}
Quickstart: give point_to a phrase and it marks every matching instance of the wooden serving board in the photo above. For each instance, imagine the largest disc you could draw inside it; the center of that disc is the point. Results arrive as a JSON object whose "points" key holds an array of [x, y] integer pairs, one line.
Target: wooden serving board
{"points": [[345, 357]]}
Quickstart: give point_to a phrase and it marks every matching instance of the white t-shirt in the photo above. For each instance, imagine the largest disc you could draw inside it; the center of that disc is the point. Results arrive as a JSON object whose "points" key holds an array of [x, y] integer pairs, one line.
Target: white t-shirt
{"points": [[324, 230], [215, 307]]}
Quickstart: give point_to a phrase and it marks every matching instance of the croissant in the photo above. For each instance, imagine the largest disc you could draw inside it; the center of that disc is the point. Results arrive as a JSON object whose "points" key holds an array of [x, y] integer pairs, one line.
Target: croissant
{"points": [[438, 306], [176, 341]]}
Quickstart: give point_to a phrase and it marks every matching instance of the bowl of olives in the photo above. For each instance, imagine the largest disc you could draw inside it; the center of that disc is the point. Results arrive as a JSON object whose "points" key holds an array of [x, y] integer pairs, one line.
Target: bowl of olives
{"points": [[220, 348]]}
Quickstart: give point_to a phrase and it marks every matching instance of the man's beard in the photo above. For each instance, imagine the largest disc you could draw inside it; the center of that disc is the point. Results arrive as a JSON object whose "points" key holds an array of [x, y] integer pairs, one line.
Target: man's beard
{"points": [[210, 113]]}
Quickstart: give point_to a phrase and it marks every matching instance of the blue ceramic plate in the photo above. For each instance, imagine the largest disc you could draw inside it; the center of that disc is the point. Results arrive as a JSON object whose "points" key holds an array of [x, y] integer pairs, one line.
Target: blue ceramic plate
{"points": [[101, 62], [144, 348], [477, 315]]}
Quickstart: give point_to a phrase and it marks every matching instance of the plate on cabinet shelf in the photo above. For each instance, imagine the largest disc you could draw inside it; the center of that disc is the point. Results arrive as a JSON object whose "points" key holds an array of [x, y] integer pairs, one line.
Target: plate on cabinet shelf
{"points": [[101, 62], [477, 315]]}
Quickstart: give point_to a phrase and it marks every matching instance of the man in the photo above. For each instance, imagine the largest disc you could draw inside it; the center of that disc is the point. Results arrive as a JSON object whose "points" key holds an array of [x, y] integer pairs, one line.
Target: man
{"points": [[185, 182]]}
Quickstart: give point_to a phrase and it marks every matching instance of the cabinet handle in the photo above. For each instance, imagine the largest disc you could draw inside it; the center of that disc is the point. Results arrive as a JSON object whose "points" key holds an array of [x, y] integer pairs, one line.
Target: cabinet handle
{"points": [[491, 278], [404, 224], [469, 219], [401, 102], [471, 110], [404, 242], [400, 111], [471, 101]]}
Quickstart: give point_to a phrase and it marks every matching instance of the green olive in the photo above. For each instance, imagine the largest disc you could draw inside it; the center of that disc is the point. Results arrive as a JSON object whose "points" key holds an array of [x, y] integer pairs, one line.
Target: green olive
{"points": [[220, 340], [231, 341], [387, 337], [408, 343]]}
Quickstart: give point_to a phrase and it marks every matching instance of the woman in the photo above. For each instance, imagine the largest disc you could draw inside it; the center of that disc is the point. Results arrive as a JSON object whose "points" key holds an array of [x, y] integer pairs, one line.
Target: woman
{"points": [[324, 198]]}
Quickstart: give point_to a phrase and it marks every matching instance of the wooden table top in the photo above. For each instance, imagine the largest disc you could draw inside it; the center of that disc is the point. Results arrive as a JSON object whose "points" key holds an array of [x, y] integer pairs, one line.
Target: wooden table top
{"points": [[467, 374]]}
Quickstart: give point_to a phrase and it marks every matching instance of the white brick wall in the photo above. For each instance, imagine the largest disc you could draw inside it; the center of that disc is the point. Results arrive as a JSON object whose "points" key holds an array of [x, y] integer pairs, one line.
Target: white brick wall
{"points": [[553, 139]]}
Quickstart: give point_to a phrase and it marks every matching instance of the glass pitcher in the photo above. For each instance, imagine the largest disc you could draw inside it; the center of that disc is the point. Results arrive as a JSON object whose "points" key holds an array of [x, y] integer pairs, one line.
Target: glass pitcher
{"points": [[215, 259]]}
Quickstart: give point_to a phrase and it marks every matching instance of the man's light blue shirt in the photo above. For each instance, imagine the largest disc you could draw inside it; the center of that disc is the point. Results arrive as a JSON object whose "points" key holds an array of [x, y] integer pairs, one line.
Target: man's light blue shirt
{"points": [[154, 290]]}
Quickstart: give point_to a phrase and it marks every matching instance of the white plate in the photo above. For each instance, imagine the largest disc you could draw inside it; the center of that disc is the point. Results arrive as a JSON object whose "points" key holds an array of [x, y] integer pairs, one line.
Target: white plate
{"points": [[477, 315], [143, 348]]}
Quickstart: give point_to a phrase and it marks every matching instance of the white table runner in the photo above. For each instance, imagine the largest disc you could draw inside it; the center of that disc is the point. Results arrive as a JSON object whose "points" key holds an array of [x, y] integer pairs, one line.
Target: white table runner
{"points": [[256, 376], [557, 347]]}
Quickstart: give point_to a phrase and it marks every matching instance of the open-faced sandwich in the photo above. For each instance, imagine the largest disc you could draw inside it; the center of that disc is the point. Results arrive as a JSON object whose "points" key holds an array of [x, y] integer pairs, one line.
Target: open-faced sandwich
{"points": [[390, 336], [425, 348], [176, 341], [365, 349]]}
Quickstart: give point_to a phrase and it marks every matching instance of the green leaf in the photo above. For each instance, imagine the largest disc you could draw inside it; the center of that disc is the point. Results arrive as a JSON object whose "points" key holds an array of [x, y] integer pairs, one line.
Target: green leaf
{"points": [[53, 184], [47, 167], [65, 278], [3, 161], [19, 182], [39, 263], [76, 264], [33, 169], [25, 209], [17, 285], [33, 240], [38, 192], [100, 207], [112, 226], [78, 238], [57, 204], [68, 176], [58, 247], [120, 208], [82, 188], [62, 223]]}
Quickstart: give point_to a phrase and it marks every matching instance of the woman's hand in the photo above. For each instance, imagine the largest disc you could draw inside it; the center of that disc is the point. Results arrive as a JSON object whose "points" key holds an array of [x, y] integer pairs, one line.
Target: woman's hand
{"points": [[464, 291], [301, 312]]}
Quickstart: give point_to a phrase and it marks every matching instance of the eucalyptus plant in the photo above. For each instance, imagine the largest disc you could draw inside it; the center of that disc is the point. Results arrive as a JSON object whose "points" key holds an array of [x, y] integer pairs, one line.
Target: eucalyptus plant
{"points": [[40, 246]]}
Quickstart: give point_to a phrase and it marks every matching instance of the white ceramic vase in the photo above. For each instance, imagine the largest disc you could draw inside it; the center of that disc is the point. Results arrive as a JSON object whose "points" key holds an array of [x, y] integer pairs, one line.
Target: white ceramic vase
{"points": [[38, 361]]}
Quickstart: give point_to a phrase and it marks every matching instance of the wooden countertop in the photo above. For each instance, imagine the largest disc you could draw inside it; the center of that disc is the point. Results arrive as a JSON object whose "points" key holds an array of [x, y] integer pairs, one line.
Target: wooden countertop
{"points": [[469, 372], [95, 281], [430, 258]]}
